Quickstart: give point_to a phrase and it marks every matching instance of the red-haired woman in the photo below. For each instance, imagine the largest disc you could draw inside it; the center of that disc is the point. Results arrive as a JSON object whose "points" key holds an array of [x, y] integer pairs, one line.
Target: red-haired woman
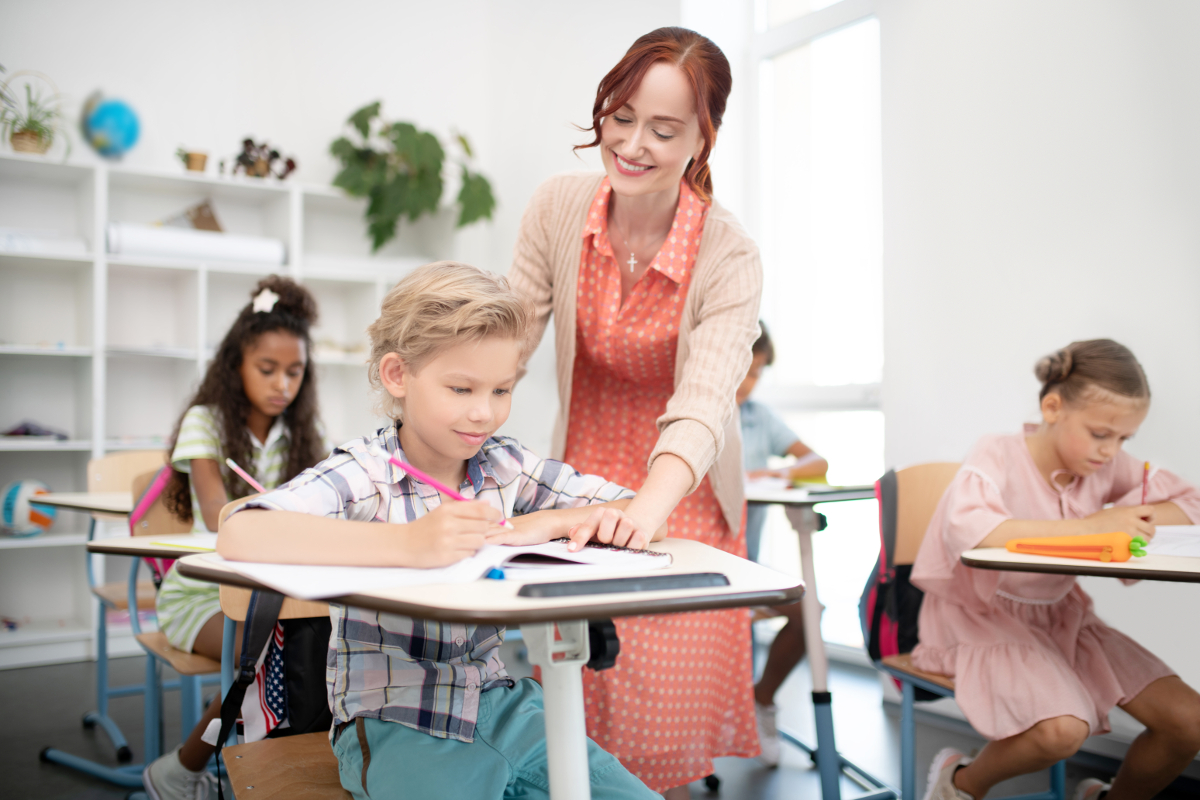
{"points": [[654, 288]]}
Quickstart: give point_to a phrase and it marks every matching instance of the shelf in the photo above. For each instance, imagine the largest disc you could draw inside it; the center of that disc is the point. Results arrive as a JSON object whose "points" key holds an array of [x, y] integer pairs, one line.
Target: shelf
{"points": [[241, 188], [36, 444], [182, 353], [43, 540], [112, 445], [39, 350], [45, 632], [355, 269], [20, 166], [43, 260], [193, 264]]}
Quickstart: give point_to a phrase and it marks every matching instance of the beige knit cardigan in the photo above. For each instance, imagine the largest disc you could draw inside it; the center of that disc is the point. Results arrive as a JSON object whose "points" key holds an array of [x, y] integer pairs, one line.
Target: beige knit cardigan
{"points": [[718, 326]]}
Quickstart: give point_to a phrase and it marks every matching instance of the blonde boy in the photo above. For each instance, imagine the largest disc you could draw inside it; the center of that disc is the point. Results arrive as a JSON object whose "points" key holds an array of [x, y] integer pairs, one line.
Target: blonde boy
{"points": [[422, 708]]}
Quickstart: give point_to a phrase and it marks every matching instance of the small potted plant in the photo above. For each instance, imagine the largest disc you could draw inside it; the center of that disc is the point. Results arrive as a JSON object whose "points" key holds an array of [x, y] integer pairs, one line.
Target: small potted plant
{"points": [[400, 169], [192, 161], [31, 126]]}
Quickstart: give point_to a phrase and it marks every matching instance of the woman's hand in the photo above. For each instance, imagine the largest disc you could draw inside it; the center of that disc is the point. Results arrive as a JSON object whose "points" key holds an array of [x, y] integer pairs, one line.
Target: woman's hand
{"points": [[448, 534], [1133, 520], [610, 525]]}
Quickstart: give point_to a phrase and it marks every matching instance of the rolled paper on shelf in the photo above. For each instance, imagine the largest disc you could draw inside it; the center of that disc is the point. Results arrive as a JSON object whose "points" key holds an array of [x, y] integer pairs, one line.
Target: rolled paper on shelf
{"points": [[1115, 546], [129, 239]]}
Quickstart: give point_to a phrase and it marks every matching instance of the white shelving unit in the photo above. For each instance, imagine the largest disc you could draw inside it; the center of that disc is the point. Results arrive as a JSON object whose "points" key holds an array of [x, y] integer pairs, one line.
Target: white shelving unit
{"points": [[109, 348]]}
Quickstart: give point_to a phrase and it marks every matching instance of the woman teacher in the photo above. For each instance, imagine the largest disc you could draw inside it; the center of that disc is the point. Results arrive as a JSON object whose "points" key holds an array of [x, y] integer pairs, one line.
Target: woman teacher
{"points": [[654, 289]]}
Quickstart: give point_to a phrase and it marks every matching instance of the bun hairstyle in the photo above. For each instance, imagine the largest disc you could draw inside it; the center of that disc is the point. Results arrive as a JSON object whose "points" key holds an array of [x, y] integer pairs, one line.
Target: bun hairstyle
{"points": [[1081, 367], [706, 69], [276, 304], [441, 305]]}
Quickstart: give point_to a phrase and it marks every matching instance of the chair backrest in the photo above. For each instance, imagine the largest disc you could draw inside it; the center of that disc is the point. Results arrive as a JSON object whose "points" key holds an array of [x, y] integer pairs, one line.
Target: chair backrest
{"points": [[157, 519], [919, 489], [115, 472], [236, 599]]}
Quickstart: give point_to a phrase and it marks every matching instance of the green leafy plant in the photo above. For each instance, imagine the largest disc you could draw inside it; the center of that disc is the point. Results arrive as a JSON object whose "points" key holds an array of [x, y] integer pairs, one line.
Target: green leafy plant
{"points": [[39, 116], [399, 169]]}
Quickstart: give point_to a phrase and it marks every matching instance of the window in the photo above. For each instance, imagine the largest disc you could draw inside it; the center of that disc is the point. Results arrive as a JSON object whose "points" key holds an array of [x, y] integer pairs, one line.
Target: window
{"points": [[819, 198]]}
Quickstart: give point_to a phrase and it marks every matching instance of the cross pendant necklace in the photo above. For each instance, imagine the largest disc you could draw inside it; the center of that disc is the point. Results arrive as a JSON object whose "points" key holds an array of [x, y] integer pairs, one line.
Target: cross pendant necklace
{"points": [[632, 262]]}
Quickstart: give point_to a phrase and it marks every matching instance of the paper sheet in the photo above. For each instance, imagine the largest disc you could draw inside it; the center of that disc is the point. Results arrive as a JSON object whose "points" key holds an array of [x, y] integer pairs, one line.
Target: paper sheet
{"points": [[1175, 540], [189, 541], [318, 582]]}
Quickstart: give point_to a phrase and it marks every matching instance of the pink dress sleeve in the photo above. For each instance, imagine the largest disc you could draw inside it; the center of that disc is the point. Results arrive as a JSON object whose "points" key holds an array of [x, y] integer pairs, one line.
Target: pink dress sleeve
{"points": [[1165, 487], [971, 508]]}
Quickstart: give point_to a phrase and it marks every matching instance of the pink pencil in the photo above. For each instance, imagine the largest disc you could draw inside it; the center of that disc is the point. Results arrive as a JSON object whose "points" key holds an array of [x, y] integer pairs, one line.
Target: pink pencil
{"points": [[1145, 481], [229, 462], [438, 485]]}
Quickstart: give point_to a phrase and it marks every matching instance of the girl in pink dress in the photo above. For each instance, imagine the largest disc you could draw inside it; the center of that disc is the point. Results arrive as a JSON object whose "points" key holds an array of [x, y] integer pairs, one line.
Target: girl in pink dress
{"points": [[1036, 671]]}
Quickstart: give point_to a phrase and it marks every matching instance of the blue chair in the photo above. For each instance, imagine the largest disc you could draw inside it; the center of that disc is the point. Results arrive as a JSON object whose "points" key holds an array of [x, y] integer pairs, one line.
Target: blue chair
{"points": [[907, 500]]}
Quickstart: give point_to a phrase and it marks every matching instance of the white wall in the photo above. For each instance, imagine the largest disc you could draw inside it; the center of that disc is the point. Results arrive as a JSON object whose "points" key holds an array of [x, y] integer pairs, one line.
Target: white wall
{"points": [[513, 76], [1042, 184]]}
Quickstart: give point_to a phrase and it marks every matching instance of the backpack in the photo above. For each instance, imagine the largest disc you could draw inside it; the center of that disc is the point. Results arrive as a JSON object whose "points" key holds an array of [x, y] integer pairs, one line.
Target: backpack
{"points": [[305, 645], [890, 603]]}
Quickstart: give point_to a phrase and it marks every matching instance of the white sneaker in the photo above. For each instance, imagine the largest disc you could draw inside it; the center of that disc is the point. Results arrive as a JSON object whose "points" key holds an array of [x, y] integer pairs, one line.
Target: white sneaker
{"points": [[940, 783], [1090, 789], [168, 779], [768, 734]]}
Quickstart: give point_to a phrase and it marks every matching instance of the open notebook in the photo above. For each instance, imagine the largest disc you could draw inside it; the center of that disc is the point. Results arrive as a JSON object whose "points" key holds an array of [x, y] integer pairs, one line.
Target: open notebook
{"points": [[526, 563], [1175, 540]]}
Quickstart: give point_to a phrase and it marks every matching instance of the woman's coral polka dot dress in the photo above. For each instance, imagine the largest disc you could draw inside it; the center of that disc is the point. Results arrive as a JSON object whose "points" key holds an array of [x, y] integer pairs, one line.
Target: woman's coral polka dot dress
{"points": [[681, 692]]}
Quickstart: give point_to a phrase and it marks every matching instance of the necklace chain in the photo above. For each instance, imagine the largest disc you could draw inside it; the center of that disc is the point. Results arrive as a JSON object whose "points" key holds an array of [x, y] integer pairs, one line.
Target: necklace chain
{"points": [[632, 262]]}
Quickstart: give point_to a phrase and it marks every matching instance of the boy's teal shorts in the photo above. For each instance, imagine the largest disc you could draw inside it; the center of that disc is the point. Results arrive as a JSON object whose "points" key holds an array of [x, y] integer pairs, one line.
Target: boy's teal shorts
{"points": [[507, 758]]}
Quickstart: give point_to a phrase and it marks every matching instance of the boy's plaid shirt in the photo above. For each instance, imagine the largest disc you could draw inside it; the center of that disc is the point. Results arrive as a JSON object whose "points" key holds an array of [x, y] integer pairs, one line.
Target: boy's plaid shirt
{"points": [[424, 674]]}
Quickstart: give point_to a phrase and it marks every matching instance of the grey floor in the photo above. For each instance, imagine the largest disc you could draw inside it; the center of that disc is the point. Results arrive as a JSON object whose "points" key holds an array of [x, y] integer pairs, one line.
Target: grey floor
{"points": [[44, 706]]}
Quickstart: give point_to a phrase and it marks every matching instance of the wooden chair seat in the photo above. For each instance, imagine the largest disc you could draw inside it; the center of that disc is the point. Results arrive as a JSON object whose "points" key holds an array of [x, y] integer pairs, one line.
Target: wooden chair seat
{"points": [[903, 663], [181, 662], [291, 768], [116, 595]]}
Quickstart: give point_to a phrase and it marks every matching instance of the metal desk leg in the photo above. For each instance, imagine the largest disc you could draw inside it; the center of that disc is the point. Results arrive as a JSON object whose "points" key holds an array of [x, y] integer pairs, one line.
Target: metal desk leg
{"points": [[562, 685], [830, 763]]}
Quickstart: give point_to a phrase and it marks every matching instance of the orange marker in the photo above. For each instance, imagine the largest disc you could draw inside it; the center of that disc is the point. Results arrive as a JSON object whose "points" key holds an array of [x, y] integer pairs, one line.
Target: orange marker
{"points": [[1145, 481], [1116, 546]]}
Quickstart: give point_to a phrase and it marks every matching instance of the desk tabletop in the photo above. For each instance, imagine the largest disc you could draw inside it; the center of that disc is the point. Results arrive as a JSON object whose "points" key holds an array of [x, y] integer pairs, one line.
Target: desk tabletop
{"points": [[496, 602], [808, 496], [174, 545], [1150, 568], [119, 503]]}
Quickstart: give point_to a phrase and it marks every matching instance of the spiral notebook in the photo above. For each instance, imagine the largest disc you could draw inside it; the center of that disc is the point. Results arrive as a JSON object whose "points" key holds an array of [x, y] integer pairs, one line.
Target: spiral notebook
{"points": [[550, 560]]}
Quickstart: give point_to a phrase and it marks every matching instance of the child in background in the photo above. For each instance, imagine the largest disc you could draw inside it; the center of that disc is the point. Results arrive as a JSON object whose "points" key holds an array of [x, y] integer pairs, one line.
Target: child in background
{"points": [[257, 405], [764, 435], [1036, 671], [433, 711]]}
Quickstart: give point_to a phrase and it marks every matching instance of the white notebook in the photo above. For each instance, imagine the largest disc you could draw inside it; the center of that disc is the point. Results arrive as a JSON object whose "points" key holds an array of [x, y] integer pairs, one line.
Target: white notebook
{"points": [[529, 563], [1175, 540]]}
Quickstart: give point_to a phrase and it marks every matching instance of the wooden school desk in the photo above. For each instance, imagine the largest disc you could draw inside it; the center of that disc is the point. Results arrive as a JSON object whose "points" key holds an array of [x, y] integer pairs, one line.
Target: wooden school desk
{"points": [[170, 546], [116, 503], [500, 602], [798, 503], [1147, 568]]}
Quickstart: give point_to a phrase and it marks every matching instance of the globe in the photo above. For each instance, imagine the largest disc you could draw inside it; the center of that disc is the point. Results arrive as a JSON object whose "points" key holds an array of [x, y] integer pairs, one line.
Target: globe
{"points": [[111, 127]]}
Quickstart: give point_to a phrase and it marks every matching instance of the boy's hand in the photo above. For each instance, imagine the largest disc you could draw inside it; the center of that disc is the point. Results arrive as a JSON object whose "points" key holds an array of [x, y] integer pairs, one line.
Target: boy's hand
{"points": [[535, 528], [610, 526], [449, 533], [1134, 520]]}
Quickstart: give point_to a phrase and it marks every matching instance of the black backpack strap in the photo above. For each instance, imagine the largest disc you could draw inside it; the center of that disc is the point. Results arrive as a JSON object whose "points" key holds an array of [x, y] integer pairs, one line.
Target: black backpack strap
{"points": [[887, 519], [261, 616]]}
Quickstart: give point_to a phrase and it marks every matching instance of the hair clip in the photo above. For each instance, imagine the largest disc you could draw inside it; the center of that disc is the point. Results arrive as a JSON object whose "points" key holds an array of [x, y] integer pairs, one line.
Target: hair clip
{"points": [[265, 301]]}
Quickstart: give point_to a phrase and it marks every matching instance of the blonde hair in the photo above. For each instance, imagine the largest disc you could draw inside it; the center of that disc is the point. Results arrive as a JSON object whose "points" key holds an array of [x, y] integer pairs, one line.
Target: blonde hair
{"points": [[1082, 367], [441, 305]]}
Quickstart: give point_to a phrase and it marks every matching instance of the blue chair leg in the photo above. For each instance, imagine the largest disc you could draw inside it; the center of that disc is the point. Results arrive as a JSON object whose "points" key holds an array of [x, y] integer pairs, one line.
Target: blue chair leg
{"points": [[190, 702], [908, 743], [151, 708], [1058, 780]]}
